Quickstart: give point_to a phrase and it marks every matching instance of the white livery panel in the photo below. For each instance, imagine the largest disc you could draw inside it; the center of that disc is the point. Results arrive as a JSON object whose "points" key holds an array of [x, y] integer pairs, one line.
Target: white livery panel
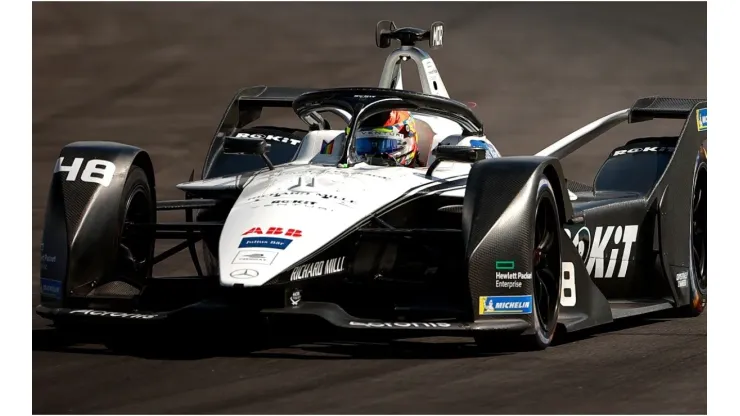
{"points": [[283, 216]]}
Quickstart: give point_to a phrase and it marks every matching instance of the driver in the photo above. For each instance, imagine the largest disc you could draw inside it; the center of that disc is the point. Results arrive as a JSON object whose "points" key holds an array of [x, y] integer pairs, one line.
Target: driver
{"points": [[390, 135]]}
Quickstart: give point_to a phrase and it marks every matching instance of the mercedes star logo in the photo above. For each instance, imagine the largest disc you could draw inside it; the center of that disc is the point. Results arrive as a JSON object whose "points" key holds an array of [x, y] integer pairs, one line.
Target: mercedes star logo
{"points": [[244, 274]]}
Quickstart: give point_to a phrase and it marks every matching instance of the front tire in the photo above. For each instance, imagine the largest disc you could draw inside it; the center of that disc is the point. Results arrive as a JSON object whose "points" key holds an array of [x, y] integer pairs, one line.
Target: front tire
{"points": [[546, 267], [133, 264]]}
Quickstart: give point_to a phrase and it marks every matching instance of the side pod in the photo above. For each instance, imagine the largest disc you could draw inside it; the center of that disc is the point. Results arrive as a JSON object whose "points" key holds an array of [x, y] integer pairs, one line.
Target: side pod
{"points": [[82, 223]]}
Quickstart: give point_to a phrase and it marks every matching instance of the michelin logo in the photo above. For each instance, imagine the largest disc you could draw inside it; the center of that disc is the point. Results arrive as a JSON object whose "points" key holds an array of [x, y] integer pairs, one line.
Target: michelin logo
{"points": [[701, 119], [494, 305]]}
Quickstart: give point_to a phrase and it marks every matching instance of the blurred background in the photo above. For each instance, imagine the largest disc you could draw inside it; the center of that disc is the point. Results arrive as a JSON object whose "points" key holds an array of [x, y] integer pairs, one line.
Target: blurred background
{"points": [[159, 75]]}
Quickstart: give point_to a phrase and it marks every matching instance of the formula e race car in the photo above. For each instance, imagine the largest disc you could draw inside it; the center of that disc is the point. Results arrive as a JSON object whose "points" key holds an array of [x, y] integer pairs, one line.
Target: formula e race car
{"points": [[293, 225]]}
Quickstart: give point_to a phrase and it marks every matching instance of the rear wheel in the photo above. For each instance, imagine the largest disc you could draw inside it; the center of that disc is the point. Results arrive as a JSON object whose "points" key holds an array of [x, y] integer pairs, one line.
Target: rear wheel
{"points": [[698, 262], [546, 265]]}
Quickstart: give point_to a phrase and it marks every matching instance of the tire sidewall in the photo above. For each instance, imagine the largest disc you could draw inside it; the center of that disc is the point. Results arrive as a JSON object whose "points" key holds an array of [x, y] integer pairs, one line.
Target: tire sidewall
{"points": [[697, 297], [137, 181], [543, 336]]}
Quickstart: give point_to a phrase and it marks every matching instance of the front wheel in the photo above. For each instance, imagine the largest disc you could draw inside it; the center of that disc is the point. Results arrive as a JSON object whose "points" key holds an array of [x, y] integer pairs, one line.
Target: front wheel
{"points": [[546, 265]]}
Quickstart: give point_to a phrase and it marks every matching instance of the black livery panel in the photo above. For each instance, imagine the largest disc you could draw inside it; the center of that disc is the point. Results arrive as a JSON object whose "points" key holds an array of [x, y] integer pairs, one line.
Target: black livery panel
{"points": [[82, 222], [635, 236]]}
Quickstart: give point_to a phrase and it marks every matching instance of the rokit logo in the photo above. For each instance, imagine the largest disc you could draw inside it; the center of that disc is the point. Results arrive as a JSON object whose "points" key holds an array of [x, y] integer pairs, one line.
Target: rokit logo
{"points": [[650, 149], [615, 240], [293, 202], [270, 137]]}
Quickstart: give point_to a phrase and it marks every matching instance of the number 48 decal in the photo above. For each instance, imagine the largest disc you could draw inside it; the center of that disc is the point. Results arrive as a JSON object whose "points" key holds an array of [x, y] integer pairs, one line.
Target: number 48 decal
{"points": [[96, 170], [568, 285]]}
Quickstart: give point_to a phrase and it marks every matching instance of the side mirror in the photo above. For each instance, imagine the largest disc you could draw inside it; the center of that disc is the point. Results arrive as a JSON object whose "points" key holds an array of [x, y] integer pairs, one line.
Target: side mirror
{"points": [[245, 146], [382, 31], [248, 146], [463, 154]]}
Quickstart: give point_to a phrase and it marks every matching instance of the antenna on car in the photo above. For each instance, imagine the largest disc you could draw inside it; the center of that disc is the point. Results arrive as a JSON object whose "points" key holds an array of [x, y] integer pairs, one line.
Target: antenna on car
{"points": [[386, 32]]}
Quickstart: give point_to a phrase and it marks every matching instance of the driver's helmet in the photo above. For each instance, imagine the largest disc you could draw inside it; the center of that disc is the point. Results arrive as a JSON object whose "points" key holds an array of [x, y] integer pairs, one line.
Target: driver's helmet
{"points": [[391, 134]]}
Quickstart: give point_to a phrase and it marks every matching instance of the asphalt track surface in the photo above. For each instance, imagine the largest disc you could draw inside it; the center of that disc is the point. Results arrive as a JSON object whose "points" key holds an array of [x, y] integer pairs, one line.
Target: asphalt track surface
{"points": [[160, 76]]}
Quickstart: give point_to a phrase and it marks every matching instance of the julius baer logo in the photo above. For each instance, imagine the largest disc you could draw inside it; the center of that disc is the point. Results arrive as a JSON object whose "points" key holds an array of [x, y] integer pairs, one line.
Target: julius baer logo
{"points": [[271, 240]]}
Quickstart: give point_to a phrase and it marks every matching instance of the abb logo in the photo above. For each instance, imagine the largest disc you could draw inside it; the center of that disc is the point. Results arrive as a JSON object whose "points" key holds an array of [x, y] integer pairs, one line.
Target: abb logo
{"points": [[291, 232]]}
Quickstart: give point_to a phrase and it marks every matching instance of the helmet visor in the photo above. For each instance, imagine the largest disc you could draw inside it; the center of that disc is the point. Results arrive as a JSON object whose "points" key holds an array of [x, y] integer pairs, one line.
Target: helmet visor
{"points": [[378, 141]]}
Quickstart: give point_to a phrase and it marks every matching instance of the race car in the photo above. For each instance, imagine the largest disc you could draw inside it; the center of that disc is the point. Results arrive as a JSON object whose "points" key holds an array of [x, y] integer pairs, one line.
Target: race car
{"points": [[297, 225]]}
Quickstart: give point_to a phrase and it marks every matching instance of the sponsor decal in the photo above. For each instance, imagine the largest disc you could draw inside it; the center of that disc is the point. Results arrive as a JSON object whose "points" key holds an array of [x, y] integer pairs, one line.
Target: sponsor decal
{"points": [[290, 232], [615, 240], [265, 242], [701, 119], [504, 265], [91, 312], [295, 298], [318, 268], [493, 305], [382, 132], [96, 170], [269, 242], [682, 279], [293, 202], [46, 259], [244, 274], [355, 173], [51, 288], [648, 149], [270, 137], [329, 197], [401, 324], [254, 257], [507, 278]]}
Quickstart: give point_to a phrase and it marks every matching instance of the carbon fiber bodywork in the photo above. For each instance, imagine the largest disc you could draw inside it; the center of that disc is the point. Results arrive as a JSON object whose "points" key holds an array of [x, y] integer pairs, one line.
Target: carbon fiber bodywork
{"points": [[82, 225]]}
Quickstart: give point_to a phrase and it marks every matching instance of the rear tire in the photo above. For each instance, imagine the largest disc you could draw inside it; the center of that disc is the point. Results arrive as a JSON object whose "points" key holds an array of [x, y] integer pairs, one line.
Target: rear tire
{"points": [[698, 260], [546, 279]]}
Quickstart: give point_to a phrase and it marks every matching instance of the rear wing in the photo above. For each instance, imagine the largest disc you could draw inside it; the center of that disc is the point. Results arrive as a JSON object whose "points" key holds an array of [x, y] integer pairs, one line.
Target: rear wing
{"points": [[247, 105], [644, 109], [650, 108]]}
